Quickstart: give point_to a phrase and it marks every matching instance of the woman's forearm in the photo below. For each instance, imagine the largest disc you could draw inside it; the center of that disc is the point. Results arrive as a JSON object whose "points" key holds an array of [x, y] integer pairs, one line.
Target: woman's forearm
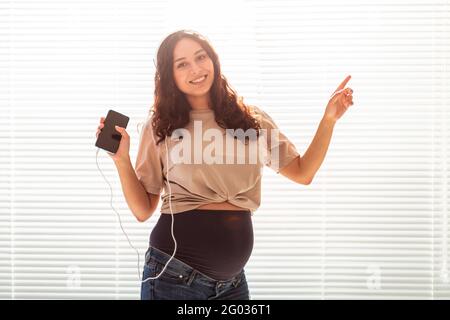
{"points": [[134, 192], [314, 156]]}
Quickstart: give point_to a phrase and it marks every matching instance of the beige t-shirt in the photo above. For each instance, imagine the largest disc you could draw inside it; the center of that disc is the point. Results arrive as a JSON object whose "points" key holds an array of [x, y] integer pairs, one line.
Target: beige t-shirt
{"points": [[228, 169]]}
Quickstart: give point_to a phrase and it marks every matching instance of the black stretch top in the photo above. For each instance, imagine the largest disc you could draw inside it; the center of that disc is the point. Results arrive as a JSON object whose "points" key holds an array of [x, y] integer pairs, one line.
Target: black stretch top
{"points": [[217, 243]]}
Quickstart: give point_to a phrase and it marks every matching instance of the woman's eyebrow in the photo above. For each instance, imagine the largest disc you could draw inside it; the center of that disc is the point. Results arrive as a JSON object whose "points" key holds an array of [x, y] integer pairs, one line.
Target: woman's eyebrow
{"points": [[185, 57]]}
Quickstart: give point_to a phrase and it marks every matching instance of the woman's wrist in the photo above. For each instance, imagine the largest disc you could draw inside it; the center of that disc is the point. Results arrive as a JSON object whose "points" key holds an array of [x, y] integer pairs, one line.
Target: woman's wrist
{"points": [[122, 162], [329, 120]]}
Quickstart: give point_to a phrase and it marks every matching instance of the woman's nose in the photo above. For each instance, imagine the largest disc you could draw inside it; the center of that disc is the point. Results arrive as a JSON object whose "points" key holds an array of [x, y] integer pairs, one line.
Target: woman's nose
{"points": [[195, 69]]}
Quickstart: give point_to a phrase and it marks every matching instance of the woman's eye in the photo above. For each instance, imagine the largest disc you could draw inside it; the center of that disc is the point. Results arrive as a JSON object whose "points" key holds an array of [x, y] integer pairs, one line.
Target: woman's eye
{"points": [[200, 57]]}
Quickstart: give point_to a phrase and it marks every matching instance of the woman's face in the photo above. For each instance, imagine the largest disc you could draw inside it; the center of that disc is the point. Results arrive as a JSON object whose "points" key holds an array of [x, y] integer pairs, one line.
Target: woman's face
{"points": [[191, 65]]}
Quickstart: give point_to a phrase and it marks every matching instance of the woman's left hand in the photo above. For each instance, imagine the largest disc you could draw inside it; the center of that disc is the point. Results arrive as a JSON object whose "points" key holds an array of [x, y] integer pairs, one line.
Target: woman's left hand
{"points": [[340, 100]]}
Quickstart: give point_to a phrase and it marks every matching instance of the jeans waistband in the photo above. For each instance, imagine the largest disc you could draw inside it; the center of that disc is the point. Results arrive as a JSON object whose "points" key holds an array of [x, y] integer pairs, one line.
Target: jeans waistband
{"points": [[179, 267]]}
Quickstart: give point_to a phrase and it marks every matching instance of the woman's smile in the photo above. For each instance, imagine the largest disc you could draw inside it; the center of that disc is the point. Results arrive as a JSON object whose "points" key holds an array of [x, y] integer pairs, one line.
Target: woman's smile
{"points": [[199, 81]]}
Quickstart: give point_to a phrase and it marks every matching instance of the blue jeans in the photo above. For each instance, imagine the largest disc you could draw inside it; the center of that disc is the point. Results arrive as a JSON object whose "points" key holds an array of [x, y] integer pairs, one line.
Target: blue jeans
{"points": [[182, 282]]}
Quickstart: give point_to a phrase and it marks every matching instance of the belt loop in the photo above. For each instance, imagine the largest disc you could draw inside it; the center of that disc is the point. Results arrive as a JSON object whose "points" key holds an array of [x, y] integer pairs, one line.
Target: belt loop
{"points": [[237, 279], [147, 255], [191, 277]]}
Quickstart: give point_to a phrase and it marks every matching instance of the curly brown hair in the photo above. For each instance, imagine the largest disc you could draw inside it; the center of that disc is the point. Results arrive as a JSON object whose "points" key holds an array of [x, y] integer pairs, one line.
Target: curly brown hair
{"points": [[171, 108]]}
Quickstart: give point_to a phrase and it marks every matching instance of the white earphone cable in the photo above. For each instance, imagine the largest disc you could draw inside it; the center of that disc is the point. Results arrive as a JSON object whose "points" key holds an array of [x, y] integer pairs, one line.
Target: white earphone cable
{"points": [[123, 230], [118, 215], [171, 212]]}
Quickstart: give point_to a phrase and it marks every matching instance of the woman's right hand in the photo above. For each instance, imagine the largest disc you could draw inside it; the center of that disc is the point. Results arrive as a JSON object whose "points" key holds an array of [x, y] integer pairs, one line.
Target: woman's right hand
{"points": [[123, 152]]}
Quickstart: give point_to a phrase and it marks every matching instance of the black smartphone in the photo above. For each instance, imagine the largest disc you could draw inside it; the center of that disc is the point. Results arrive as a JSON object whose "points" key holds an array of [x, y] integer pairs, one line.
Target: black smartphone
{"points": [[109, 138]]}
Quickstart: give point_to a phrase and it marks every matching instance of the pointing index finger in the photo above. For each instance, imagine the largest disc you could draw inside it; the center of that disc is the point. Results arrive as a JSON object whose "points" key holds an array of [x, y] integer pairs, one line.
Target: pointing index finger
{"points": [[342, 85]]}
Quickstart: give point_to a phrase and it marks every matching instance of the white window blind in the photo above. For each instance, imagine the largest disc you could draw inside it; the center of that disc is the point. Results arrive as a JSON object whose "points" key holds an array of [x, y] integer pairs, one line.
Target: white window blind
{"points": [[372, 225]]}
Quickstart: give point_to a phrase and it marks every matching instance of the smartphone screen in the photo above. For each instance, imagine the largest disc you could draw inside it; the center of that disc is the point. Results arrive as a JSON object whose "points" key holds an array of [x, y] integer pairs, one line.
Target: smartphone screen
{"points": [[108, 138]]}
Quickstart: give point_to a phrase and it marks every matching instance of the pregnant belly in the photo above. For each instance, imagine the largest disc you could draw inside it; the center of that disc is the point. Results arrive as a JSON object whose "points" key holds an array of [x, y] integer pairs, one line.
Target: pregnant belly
{"points": [[218, 243]]}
